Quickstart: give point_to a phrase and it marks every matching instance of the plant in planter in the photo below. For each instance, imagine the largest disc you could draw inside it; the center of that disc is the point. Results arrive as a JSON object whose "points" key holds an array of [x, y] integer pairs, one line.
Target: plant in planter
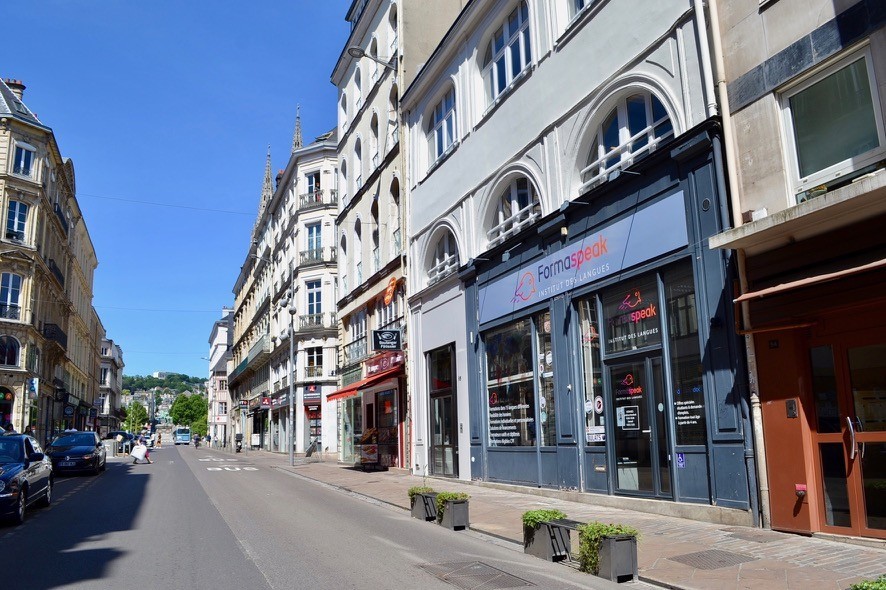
{"points": [[608, 550], [452, 510], [422, 502], [543, 540]]}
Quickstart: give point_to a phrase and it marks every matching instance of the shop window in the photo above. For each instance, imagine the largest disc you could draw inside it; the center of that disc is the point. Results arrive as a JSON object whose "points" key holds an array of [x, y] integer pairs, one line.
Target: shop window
{"points": [[546, 402], [632, 316], [835, 123], [686, 366], [509, 385], [595, 430]]}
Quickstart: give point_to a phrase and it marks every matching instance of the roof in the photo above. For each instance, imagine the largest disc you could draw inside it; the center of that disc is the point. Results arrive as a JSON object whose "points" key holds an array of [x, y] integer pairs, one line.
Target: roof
{"points": [[10, 106]]}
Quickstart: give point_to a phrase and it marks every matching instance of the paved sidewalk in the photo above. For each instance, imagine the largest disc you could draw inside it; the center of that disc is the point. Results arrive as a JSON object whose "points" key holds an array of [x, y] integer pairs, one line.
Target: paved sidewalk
{"points": [[673, 552]]}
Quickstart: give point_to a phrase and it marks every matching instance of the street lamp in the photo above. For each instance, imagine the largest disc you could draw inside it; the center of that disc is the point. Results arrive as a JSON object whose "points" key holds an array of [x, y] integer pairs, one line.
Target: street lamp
{"points": [[289, 305], [358, 52]]}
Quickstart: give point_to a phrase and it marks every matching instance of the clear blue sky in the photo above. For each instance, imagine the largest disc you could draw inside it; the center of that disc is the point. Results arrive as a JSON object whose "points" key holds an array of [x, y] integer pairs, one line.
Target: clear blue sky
{"points": [[167, 109]]}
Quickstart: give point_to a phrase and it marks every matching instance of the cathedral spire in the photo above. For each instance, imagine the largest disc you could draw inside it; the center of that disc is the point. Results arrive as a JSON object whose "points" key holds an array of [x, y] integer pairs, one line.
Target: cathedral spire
{"points": [[267, 189], [296, 138]]}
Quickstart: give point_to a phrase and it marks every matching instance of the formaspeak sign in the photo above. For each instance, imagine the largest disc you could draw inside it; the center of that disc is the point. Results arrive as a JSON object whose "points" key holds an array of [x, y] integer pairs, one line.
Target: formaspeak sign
{"points": [[649, 232]]}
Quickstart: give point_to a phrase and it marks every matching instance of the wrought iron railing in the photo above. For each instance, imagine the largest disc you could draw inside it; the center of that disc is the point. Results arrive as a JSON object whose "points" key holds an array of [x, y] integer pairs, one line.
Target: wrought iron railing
{"points": [[56, 334], [314, 371], [318, 198], [56, 271], [10, 312], [61, 216]]}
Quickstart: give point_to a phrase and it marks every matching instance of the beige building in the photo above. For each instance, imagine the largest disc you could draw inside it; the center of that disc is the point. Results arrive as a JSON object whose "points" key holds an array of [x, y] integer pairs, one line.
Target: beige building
{"points": [[110, 386], [50, 332], [804, 95]]}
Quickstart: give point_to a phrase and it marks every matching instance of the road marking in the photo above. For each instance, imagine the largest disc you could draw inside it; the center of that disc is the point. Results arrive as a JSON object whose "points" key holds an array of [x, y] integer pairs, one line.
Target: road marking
{"points": [[217, 460], [230, 468]]}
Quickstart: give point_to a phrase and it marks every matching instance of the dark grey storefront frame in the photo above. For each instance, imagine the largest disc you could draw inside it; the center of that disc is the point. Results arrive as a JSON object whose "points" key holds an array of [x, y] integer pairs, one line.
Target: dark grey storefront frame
{"points": [[720, 473]]}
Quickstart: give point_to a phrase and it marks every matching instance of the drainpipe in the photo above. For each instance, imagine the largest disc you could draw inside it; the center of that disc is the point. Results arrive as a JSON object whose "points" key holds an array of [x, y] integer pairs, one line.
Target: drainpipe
{"points": [[732, 168]]}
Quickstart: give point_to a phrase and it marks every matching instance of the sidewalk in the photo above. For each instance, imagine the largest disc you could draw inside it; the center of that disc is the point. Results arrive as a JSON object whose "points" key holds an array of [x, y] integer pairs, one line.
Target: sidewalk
{"points": [[673, 552]]}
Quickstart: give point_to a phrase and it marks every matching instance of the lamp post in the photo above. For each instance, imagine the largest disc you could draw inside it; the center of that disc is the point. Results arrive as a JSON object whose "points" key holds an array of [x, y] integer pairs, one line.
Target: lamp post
{"points": [[288, 303], [358, 52]]}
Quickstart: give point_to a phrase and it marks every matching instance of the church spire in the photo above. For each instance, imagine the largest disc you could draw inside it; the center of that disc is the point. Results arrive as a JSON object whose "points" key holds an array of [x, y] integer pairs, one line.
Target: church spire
{"points": [[296, 138], [267, 189]]}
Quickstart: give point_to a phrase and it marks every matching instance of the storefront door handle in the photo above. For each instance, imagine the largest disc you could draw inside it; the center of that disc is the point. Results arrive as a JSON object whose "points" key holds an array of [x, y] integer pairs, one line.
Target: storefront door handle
{"points": [[852, 449]]}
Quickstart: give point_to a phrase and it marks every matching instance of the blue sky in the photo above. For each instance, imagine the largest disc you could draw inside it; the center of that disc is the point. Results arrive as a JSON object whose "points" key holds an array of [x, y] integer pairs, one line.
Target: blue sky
{"points": [[167, 109]]}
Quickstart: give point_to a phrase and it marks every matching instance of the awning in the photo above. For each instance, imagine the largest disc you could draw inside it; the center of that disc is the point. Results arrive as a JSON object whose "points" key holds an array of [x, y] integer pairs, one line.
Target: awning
{"points": [[353, 388], [813, 280]]}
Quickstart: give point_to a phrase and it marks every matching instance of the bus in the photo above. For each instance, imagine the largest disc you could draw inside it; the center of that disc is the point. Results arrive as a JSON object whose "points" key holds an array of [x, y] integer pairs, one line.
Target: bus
{"points": [[182, 436]]}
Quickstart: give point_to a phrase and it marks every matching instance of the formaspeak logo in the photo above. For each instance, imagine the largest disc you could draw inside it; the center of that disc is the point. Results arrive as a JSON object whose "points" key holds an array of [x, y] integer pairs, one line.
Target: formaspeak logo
{"points": [[628, 382], [631, 301], [525, 288]]}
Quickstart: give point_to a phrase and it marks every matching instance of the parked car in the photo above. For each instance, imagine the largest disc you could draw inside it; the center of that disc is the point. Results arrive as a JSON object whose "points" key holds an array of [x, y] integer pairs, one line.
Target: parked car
{"points": [[77, 451], [125, 444], [25, 476]]}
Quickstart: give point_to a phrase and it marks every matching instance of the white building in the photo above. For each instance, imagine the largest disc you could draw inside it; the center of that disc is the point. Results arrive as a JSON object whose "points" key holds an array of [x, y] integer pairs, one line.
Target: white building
{"points": [[218, 397]]}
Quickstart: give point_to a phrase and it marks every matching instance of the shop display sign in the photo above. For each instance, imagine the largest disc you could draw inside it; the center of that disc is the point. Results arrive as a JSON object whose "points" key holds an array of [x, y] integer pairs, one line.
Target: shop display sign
{"points": [[632, 316], [386, 340], [625, 243], [628, 417]]}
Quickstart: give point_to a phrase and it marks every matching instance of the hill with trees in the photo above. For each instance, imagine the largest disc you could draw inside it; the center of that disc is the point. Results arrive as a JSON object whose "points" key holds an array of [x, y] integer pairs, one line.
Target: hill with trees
{"points": [[176, 382]]}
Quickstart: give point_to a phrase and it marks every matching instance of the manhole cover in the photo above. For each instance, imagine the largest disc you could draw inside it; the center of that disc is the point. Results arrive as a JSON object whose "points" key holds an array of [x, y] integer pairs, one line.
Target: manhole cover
{"points": [[474, 575], [712, 559]]}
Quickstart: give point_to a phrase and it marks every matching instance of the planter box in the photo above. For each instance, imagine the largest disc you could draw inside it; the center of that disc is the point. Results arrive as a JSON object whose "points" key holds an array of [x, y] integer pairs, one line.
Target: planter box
{"points": [[551, 543], [618, 558], [455, 515], [424, 506]]}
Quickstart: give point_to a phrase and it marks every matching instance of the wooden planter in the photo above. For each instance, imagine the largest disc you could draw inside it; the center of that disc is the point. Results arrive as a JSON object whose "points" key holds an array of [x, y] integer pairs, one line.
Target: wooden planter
{"points": [[455, 515], [424, 506], [618, 558], [551, 543]]}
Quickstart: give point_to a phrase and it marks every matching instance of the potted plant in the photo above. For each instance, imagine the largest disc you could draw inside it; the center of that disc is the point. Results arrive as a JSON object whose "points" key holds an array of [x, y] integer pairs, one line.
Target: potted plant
{"points": [[452, 510], [608, 550], [422, 503], [541, 539]]}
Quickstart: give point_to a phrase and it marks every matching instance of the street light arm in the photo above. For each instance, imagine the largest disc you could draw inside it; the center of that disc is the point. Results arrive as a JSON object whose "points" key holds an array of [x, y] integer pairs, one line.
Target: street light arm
{"points": [[358, 52]]}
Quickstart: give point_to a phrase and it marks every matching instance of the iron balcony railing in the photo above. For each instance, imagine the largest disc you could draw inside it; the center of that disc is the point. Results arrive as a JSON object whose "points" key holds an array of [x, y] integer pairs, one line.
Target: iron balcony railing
{"points": [[314, 371], [10, 312], [56, 334], [317, 255], [56, 271], [355, 351], [318, 198], [316, 321], [17, 236], [61, 216]]}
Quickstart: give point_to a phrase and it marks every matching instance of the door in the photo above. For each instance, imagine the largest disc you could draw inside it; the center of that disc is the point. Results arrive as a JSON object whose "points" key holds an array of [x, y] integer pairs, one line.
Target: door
{"points": [[444, 435], [641, 433], [849, 398]]}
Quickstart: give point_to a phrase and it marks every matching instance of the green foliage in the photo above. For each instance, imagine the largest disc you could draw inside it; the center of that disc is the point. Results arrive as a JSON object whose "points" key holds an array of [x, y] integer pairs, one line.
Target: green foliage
{"points": [[878, 584], [136, 416], [444, 497], [533, 518], [174, 381], [415, 490], [187, 410], [590, 537]]}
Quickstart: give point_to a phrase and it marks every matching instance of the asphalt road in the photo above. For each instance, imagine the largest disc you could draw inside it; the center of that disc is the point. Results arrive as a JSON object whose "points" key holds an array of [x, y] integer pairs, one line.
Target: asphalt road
{"points": [[203, 519]]}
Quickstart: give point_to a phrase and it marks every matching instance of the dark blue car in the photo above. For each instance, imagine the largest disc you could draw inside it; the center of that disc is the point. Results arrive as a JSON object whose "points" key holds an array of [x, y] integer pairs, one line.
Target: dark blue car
{"points": [[77, 451], [25, 476]]}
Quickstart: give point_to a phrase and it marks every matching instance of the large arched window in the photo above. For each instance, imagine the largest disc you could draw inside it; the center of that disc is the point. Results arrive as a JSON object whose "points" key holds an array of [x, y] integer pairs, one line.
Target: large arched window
{"points": [[392, 30], [393, 123], [373, 54], [9, 349], [517, 207], [394, 217], [343, 261], [376, 250], [634, 127], [343, 110], [343, 170], [509, 52], [373, 141], [357, 254], [10, 290], [358, 165], [358, 91], [445, 259]]}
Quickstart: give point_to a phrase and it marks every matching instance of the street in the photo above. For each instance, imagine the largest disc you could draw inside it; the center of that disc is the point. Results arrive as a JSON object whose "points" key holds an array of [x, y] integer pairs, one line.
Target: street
{"points": [[200, 518]]}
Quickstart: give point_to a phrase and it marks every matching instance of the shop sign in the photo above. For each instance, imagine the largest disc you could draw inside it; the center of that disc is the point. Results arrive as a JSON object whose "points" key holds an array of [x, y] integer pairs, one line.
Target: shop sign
{"points": [[390, 290], [625, 243], [628, 417], [73, 400], [69, 411], [243, 404], [383, 362], [265, 403], [93, 412], [219, 419], [311, 393], [33, 387], [254, 403], [280, 401], [386, 340]]}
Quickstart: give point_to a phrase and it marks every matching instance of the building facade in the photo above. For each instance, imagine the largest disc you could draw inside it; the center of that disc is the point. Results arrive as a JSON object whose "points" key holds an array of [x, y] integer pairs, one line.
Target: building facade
{"points": [[570, 329], [284, 333], [805, 85], [110, 386], [217, 393], [388, 43], [50, 333]]}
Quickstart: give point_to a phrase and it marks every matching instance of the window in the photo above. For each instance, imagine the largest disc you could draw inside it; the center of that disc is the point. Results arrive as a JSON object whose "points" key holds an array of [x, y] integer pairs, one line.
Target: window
{"points": [[314, 241], [358, 164], [16, 219], [373, 141], [390, 316], [595, 428], [546, 399], [10, 289], [313, 182], [358, 90], [343, 110], [441, 133], [835, 122], [509, 52], [314, 366], [9, 348], [314, 297], [445, 258], [632, 129], [579, 5], [222, 408], [24, 159], [631, 315], [104, 377], [510, 394], [223, 384], [517, 207]]}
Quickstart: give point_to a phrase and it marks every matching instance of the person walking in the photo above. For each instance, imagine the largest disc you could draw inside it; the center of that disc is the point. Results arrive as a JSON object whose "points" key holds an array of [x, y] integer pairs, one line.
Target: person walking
{"points": [[159, 440], [141, 451]]}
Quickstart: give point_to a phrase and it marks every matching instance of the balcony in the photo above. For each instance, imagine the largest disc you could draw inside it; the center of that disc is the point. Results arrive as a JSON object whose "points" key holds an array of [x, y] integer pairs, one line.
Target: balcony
{"points": [[355, 351], [61, 216], [313, 371], [10, 312], [260, 351], [54, 333], [316, 321], [317, 256], [15, 236], [317, 199], [56, 271]]}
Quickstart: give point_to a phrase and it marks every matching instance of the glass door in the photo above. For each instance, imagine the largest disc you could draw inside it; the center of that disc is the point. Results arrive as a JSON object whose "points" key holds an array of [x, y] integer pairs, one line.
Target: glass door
{"points": [[642, 450], [849, 395], [444, 436]]}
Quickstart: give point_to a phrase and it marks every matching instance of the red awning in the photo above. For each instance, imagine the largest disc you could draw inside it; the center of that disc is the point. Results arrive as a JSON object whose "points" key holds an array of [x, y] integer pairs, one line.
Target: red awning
{"points": [[354, 388]]}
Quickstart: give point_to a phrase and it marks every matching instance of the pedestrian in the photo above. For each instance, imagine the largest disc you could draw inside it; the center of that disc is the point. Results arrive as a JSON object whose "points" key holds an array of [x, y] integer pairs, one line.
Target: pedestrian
{"points": [[9, 429], [159, 440], [208, 440], [142, 451]]}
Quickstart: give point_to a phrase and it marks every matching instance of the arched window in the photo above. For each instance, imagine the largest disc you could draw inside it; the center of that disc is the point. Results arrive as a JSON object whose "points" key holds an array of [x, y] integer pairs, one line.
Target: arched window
{"points": [[441, 126], [343, 110], [396, 234], [9, 349], [373, 53], [343, 170], [517, 207], [634, 127], [393, 123], [357, 254], [358, 164], [445, 259], [343, 258], [373, 141], [376, 254], [358, 90], [392, 30], [509, 52], [10, 290]]}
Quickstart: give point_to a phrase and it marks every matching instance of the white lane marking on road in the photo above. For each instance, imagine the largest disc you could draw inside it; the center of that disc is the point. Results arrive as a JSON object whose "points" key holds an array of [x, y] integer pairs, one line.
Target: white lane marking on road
{"points": [[231, 468], [218, 460]]}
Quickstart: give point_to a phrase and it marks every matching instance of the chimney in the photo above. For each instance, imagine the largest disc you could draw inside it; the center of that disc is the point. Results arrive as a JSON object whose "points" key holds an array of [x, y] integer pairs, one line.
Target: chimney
{"points": [[17, 87]]}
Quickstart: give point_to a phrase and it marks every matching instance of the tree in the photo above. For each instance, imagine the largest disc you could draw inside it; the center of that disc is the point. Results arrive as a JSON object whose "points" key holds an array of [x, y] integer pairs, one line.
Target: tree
{"points": [[187, 409], [136, 416]]}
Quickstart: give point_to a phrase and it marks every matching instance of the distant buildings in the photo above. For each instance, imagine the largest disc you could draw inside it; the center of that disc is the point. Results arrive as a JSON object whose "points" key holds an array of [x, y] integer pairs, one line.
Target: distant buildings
{"points": [[218, 396]]}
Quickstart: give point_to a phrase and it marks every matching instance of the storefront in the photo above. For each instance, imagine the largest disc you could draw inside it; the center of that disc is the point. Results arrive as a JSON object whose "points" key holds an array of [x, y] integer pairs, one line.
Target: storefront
{"points": [[313, 413], [259, 414], [604, 358], [372, 414]]}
